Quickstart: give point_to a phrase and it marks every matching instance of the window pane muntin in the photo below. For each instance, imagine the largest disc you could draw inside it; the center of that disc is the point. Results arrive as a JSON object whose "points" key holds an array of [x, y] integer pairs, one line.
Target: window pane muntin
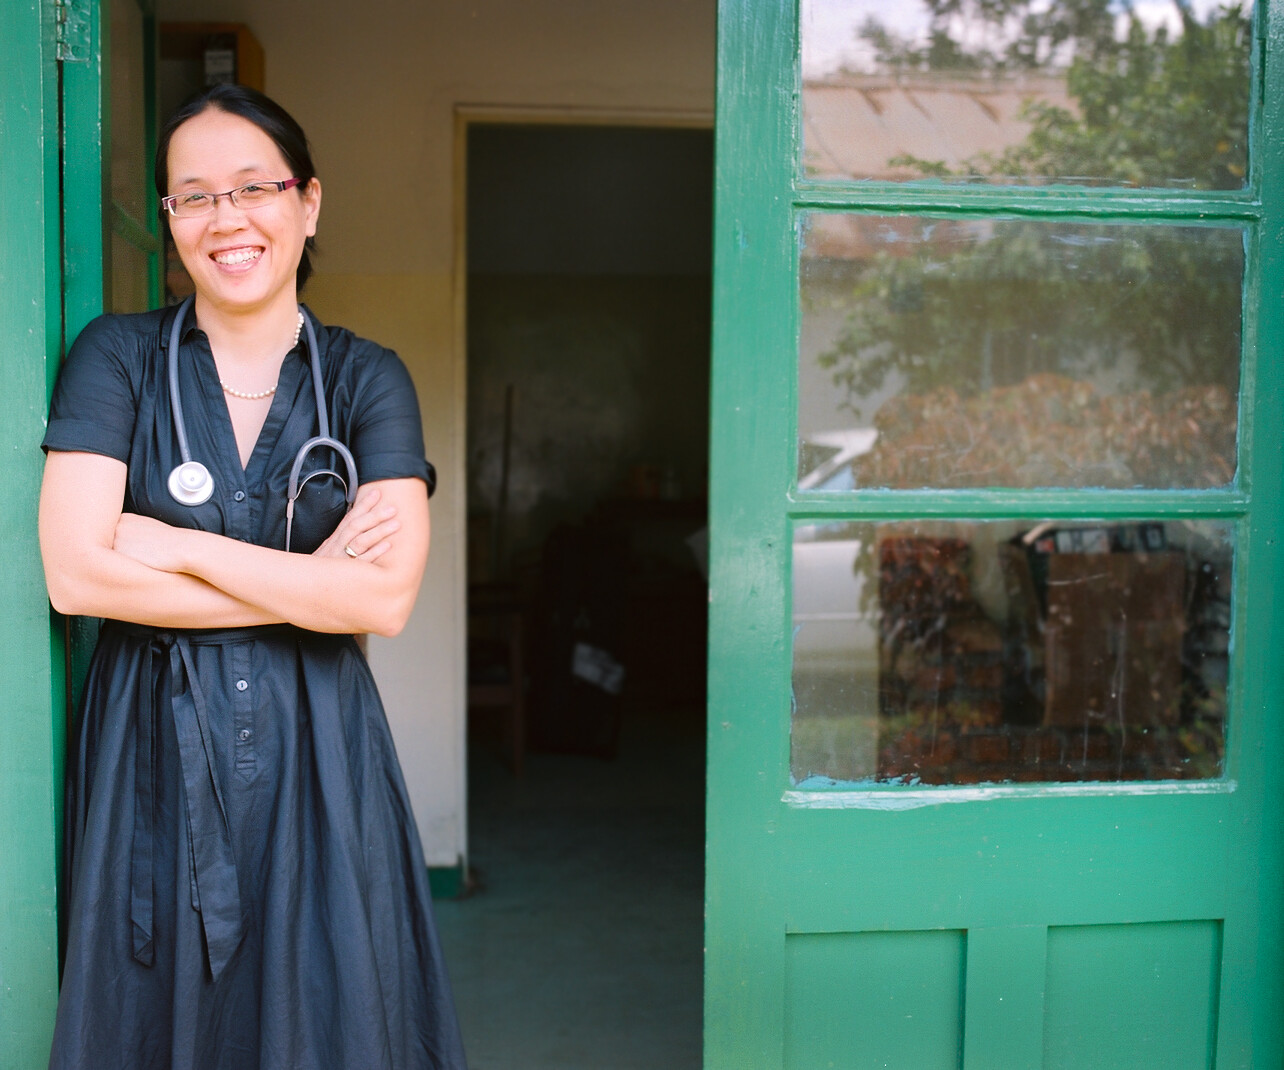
{"points": [[916, 278], [859, 717]]}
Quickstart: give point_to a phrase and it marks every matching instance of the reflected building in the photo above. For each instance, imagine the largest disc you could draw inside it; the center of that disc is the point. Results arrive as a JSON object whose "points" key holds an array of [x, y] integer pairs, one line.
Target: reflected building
{"points": [[874, 126]]}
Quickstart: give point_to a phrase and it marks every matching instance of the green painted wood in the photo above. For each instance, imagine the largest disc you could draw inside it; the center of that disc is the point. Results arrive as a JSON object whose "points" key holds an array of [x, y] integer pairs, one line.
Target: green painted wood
{"points": [[87, 216], [30, 319], [1251, 1031], [1155, 982], [1006, 974], [1057, 202], [891, 1000], [1186, 879], [748, 658], [1034, 504], [86, 226]]}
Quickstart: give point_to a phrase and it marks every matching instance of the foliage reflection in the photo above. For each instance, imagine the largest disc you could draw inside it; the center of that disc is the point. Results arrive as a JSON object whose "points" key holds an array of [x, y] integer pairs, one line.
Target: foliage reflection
{"points": [[1019, 353], [1096, 91]]}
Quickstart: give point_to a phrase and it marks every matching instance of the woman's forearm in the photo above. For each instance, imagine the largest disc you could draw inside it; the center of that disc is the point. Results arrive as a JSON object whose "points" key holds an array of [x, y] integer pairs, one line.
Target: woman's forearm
{"points": [[80, 505], [100, 562], [321, 593], [107, 584]]}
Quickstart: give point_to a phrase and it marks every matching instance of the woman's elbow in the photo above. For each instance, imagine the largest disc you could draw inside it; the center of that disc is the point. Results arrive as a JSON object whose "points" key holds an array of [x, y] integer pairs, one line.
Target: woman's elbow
{"points": [[391, 624], [61, 600], [393, 615], [65, 594], [71, 603]]}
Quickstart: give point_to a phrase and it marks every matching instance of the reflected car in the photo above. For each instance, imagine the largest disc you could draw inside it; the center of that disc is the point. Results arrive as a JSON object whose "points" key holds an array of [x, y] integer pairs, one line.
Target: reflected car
{"points": [[833, 636]]}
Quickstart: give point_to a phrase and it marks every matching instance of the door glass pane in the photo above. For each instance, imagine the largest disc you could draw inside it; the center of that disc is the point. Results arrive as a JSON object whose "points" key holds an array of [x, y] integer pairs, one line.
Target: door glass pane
{"points": [[955, 652], [128, 116], [130, 291], [1027, 91], [128, 215], [1019, 353]]}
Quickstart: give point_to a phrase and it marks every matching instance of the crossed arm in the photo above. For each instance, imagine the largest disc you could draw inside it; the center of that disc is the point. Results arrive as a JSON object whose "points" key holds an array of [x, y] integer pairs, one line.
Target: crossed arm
{"points": [[102, 562]]}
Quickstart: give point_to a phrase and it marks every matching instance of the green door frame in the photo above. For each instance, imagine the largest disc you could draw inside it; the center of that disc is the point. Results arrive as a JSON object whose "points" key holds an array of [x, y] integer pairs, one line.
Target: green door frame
{"points": [[760, 849], [55, 248], [30, 664]]}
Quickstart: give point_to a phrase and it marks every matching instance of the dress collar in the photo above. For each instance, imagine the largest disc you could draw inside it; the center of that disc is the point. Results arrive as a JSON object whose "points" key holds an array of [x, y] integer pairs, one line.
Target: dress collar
{"points": [[191, 330]]}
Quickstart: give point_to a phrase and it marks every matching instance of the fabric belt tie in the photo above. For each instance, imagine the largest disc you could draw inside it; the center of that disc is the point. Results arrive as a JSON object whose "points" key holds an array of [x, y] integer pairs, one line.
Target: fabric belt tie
{"points": [[215, 892]]}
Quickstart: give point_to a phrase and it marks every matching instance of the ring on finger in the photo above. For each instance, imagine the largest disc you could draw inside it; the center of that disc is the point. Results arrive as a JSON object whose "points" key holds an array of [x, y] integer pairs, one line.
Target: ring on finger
{"points": [[350, 551]]}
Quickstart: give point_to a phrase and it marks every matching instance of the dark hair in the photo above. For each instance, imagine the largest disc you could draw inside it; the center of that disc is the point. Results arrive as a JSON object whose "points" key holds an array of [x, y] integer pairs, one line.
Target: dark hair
{"points": [[268, 116]]}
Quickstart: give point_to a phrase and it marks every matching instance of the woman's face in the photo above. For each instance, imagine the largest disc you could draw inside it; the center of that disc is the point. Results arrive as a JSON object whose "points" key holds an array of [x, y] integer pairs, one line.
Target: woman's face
{"points": [[241, 261]]}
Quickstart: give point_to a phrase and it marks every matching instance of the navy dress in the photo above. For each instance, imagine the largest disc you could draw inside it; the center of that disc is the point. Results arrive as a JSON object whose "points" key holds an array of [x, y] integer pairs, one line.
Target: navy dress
{"points": [[247, 887]]}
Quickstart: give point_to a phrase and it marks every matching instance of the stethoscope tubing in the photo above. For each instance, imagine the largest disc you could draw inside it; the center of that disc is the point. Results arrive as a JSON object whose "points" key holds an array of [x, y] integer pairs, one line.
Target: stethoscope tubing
{"points": [[191, 483]]}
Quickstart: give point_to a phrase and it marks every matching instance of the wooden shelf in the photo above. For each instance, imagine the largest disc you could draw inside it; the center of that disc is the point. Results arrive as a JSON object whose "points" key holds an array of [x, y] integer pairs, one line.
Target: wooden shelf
{"points": [[189, 40]]}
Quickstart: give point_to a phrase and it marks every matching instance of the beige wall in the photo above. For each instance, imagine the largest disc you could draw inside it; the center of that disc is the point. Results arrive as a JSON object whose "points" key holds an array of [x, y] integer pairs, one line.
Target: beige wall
{"points": [[377, 86]]}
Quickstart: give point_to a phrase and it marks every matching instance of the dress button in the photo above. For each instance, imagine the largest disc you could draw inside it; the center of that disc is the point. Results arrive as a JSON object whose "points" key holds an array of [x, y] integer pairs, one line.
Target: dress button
{"points": [[239, 496], [241, 685], [243, 734]]}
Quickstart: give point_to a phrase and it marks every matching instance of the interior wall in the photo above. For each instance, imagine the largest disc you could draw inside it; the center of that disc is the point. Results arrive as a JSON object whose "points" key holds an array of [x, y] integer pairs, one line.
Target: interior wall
{"points": [[610, 377], [588, 296], [377, 87]]}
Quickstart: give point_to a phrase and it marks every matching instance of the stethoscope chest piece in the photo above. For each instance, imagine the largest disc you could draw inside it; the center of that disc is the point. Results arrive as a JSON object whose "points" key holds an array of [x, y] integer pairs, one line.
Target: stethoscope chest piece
{"points": [[191, 483]]}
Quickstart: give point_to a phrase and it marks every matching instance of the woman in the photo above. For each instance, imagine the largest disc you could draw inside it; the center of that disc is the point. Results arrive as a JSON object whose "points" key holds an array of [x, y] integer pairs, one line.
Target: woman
{"points": [[246, 882]]}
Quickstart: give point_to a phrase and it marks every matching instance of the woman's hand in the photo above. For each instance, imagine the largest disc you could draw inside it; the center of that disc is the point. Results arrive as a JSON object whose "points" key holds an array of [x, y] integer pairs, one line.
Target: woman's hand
{"points": [[366, 530], [150, 542]]}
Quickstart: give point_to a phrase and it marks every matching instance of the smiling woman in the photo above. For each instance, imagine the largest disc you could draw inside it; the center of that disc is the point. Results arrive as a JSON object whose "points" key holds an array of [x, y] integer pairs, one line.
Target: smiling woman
{"points": [[263, 900], [244, 254]]}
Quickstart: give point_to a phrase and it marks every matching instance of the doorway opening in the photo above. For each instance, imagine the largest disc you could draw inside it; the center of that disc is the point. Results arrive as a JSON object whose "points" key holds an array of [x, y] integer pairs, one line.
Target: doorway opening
{"points": [[588, 252]]}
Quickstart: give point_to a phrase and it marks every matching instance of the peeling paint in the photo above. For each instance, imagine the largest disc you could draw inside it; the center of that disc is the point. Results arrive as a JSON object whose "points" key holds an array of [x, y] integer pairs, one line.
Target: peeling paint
{"points": [[916, 798]]}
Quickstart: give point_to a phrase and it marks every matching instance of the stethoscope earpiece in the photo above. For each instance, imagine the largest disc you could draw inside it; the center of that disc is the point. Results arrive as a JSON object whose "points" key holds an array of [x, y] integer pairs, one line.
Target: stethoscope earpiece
{"points": [[191, 483]]}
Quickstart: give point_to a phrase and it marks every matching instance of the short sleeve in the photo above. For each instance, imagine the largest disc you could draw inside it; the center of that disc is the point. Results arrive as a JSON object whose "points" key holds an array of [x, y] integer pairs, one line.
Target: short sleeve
{"points": [[387, 434], [94, 404]]}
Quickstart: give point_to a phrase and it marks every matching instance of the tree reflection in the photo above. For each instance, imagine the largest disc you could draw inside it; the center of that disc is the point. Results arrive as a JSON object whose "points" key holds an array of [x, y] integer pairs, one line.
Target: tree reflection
{"points": [[1032, 353], [1152, 108]]}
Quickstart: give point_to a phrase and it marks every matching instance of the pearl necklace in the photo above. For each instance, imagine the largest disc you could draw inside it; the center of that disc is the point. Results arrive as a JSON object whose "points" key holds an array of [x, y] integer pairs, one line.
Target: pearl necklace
{"points": [[259, 395]]}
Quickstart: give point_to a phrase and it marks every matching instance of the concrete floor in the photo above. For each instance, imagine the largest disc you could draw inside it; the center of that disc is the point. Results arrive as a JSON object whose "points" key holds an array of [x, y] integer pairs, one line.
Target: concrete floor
{"points": [[581, 948]]}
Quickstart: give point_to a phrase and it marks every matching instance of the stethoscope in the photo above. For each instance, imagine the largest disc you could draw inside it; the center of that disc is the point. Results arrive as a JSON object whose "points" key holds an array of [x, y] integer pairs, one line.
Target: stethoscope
{"points": [[191, 483]]}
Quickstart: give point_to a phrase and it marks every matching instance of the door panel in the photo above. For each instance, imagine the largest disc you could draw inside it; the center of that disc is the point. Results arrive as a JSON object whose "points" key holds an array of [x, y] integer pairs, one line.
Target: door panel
{"points": [[874, 999], [970, 806], [1153, 985], [30, 673]]}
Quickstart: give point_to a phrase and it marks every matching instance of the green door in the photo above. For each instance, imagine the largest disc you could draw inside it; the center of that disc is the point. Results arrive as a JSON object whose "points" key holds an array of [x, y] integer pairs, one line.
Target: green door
{"points": [[111, 240], [995, 690], [30, 673], [79, 235]]}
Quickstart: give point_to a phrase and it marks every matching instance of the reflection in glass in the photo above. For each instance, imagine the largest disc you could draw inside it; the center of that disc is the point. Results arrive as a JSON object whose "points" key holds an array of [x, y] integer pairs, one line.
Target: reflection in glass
{"points": [[1007, 352], [128, 111], [949, 652], [1152, 94], [130, 290]]}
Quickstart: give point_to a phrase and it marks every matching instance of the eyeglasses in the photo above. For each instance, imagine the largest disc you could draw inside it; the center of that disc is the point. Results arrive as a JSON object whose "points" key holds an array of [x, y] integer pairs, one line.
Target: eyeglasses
{"points": [[197, 202]]}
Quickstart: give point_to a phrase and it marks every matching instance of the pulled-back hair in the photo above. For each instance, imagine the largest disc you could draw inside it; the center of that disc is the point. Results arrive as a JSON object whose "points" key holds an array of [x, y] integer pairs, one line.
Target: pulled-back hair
{"points": [[268, 116]]}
